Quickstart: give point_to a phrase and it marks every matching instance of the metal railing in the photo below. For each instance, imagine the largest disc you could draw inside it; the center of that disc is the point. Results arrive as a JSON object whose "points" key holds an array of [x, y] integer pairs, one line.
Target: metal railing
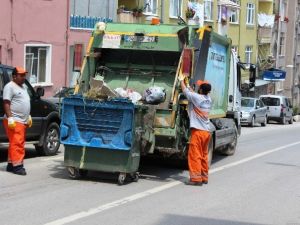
{"points": [[86, 22]]}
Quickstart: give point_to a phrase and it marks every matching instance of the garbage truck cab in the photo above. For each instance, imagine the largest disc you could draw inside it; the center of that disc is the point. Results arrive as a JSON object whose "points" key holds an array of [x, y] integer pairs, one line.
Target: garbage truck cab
{"points": [[128, 100]]}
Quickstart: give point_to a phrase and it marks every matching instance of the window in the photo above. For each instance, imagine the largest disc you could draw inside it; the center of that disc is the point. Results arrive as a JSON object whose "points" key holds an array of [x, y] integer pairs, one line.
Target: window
{"points": [[248, 55], [150, 6], [37, 63], [77, 58], [208, 9], [234, 13], [250, 14], [175, 8], [282, 45]]}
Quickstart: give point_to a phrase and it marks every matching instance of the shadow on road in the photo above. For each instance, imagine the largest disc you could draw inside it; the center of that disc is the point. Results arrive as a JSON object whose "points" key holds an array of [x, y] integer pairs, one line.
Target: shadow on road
{"points": [[30, 152], [150, 169], [179, 219]]}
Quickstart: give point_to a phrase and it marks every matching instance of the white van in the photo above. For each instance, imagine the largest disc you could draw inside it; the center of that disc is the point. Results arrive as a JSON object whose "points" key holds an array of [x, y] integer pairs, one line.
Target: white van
{"points": [[279, 108]]}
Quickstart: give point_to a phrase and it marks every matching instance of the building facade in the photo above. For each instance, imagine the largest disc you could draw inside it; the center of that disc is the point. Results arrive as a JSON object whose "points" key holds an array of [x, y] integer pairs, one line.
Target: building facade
{"points": [[49, 45]]}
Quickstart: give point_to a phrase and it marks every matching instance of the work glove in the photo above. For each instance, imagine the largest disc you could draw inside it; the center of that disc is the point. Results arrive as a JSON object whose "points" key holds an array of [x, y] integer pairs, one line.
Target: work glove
{"points": [[11, 123], [181, 77], [29, 121]]}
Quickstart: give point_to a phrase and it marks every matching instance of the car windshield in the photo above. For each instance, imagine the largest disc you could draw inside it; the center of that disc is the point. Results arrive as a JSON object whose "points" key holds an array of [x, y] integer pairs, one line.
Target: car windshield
{"points": [[269, 101], [247, 102]]}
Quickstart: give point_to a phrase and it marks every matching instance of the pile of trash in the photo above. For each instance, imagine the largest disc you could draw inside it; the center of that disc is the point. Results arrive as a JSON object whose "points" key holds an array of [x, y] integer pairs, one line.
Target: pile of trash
{"points": [[99, 90]]}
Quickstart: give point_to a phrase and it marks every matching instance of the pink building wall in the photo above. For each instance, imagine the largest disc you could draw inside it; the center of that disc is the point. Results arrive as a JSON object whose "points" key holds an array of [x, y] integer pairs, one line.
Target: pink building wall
{"points": [[39, 22]]}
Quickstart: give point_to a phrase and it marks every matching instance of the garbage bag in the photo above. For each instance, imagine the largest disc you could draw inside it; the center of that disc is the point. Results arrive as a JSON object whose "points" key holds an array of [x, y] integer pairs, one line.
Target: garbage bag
{"points": [[129, 93], [154, 95]]}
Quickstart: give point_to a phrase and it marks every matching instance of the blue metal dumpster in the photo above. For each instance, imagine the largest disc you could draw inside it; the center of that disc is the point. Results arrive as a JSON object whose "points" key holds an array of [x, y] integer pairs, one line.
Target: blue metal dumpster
{"points": [[99, 136]]}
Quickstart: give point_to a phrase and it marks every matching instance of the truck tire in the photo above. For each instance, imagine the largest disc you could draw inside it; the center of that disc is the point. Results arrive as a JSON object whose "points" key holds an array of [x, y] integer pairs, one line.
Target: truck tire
{"points": [[230, 150], [51, 141]]}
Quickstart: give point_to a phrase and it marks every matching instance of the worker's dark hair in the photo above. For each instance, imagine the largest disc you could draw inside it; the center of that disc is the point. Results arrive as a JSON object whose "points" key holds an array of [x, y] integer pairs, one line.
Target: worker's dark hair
{"points": [[206, 88], [14, 72]]}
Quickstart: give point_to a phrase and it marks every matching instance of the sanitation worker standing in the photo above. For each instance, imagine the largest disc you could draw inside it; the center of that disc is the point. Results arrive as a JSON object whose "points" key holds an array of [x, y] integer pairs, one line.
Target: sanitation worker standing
{"points": [[198, 109], [17, 118]]}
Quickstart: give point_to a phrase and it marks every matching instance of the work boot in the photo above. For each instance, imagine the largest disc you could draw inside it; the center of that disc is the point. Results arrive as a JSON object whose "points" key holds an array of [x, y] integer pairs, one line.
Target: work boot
{"points": [[9, 167], [195, 183], [19, 170]]}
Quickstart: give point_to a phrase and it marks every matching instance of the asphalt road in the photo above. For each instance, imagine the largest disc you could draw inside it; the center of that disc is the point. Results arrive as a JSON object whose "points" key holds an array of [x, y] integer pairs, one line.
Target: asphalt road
{"points": [[260, 184]]}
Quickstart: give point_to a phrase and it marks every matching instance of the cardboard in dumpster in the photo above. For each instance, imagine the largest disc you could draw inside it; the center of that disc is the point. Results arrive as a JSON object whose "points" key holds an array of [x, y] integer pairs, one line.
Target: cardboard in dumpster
{"points": [[99, 89]]}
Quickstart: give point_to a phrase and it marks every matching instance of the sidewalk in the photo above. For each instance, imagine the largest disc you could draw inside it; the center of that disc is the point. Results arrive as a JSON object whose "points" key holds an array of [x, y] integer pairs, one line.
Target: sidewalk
{"points": [[296, 118]]}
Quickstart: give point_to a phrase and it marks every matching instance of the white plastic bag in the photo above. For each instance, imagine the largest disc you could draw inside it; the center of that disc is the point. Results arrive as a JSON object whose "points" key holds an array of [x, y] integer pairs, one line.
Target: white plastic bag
{"points": [[154, 95]]}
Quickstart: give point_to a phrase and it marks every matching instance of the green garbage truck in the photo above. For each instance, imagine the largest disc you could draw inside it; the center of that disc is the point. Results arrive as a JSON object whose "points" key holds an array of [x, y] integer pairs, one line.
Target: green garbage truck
{"points": [[128, 102]]}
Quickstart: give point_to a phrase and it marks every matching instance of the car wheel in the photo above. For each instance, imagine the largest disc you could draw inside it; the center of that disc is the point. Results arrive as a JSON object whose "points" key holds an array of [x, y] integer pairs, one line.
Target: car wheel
{"points": [[51, 141], [265, 122], [252, 122], [283, 120]]}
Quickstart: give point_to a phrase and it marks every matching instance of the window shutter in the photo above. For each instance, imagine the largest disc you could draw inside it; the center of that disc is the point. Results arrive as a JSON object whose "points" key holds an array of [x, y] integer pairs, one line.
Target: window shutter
{"points": [[77, 57]]}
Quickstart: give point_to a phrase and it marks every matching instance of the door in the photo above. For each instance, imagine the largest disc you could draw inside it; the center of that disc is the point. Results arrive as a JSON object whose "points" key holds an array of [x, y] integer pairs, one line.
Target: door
{"points": [[36, 112]]}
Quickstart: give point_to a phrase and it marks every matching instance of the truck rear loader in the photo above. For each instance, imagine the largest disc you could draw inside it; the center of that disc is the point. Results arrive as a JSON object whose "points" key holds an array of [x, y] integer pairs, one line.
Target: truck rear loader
{"points": [[105, 131]]}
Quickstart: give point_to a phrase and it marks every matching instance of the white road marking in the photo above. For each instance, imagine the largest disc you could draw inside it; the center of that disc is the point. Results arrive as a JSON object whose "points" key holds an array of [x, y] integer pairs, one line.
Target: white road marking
{"points": [[146, 193]]}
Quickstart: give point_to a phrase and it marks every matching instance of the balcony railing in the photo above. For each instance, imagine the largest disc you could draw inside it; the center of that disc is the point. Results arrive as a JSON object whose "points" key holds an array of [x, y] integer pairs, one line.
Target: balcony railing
{"points": [[264, 34], [86, 22]]}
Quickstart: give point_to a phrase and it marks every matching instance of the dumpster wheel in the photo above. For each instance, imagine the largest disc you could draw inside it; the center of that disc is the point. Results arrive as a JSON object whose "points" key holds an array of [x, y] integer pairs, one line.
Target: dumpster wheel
{"points": [[135, 176], [76, 173], [121, 178]]}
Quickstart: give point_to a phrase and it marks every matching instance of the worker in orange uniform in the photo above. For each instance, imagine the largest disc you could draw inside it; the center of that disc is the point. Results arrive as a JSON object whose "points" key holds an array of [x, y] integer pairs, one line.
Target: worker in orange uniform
{"points": [[17, 118], [198, 109]]}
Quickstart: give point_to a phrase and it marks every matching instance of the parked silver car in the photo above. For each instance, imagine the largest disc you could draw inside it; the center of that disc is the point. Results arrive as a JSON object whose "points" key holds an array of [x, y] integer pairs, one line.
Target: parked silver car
{"points": [[279, 108], [253, 111]]}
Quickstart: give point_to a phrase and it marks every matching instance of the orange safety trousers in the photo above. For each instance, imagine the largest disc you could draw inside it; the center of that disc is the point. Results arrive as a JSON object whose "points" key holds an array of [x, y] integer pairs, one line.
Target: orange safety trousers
{"points": [[198, 155], [16, 137]]}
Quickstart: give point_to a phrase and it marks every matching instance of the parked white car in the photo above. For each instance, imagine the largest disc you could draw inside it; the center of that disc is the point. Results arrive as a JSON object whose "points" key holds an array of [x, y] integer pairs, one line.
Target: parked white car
{"points": [[253, 111], [279, 108]]}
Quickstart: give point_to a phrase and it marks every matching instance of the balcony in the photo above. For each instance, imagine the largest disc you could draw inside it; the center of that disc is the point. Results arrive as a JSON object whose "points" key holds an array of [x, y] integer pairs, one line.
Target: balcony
{"points": [[264, 35]]}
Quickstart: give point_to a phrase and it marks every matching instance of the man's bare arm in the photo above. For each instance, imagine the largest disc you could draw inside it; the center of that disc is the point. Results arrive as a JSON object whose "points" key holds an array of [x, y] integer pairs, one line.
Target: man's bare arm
{"points": [[6, 106]]}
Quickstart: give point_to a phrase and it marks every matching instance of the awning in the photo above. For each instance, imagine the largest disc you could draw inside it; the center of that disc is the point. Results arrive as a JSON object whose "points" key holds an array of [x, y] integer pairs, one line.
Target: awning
{"points": [[274, 74], [229, 4]]}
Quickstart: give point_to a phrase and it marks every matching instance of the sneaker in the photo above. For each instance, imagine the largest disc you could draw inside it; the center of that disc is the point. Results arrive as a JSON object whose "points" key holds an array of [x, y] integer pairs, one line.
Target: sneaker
{"points": [[19, 170], [9, 167], [195, 183]]}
